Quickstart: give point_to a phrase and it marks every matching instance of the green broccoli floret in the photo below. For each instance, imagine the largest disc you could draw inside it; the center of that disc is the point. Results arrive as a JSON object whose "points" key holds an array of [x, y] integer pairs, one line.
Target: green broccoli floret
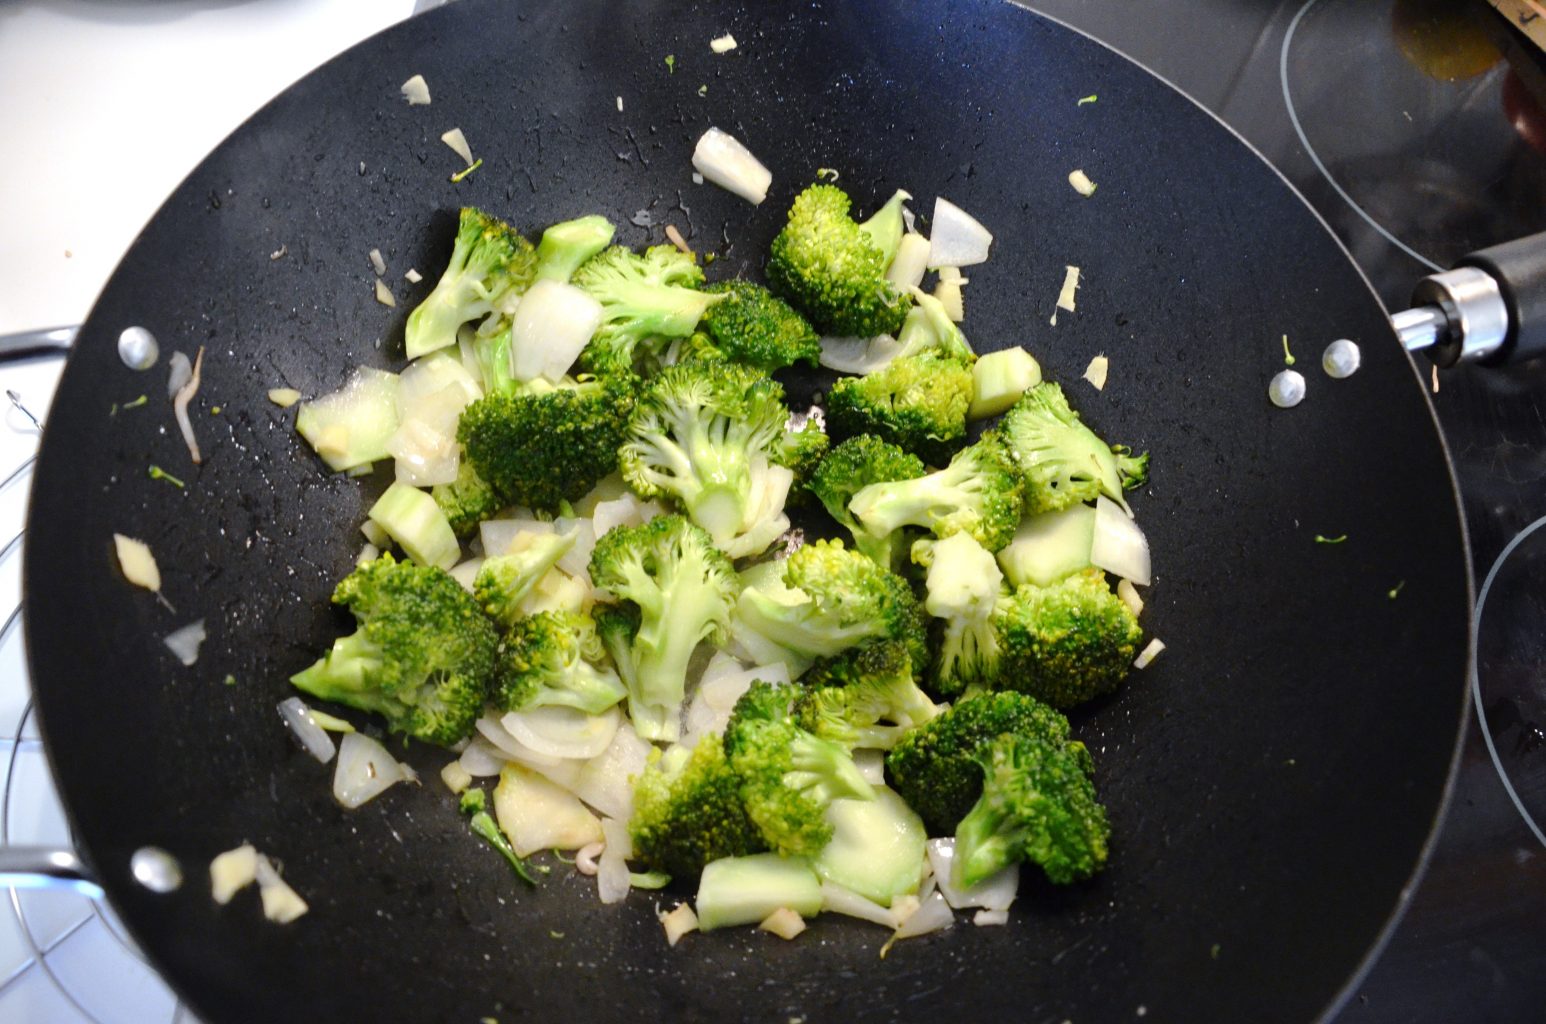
{"points": [[706, 434], [697, 347], [504, 581], [489, 263], [964, 590], [851, 467], [1038, 804], [848, 697], [687, 810], [555, 659], [466, 501], [422, 657], [1062, 460], [474, 804], [801, 449], [935, 766], [829, 599], [756, 328], [928, 327], [539, 449], [918, 402], [681, 587], [650, 296], [788, 776], [979, 494], [1065, 643], [566, 246], [834, 270], [496, 368]]}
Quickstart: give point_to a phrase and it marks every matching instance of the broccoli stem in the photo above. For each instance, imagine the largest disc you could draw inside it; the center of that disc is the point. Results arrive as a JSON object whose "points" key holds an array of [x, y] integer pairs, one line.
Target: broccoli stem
{"points": [[885, 227], [485, 826], [566, 245]]}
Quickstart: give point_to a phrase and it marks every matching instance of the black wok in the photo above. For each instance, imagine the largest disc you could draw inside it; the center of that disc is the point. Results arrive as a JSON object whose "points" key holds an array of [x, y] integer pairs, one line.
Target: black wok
{"points": [[1273, 779]]}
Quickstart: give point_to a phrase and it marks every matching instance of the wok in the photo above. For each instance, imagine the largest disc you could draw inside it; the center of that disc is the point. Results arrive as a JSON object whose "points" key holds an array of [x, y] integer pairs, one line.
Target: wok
{"points": [[1273, 779]]}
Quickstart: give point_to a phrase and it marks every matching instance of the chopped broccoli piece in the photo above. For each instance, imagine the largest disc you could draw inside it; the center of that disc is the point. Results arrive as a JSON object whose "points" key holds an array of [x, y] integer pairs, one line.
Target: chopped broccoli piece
{"points": [[800, 450], [928, 327], [679, 590], [788, 776], [935, 767], [706, 434], [1062, 460], [496, 360], [850, 468], [828, 599], [475, 805], [1038, 804], [566, 246], [555, 659], [918, 402], [964, 587], [649, 296], [847, 698], [756, 328], [466, 501], [999, 379], [687, 810], [832, 269], [490, 262], [886, 225], [422, 657], [504, 581], [745, 890], [414, 520], [540, 449], [1066, 643]]}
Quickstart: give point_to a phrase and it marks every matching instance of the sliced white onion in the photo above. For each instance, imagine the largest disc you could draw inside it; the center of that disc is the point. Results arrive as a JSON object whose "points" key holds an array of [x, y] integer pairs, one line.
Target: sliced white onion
{"points": [[871, 764], [496, 734], [996, 892], [562, 731], [1150, 651], [482, 759], [1067, 294], [365, 770], [1120, 546], [722, 44], [466, 573], [384, 294], [281, 904], [307, 732], [377, 262], [585, 858], [537, 814], [612, 871], [606, 781], [1129, 595], [909, 263], [984, 918], [678, 922], [180, 371], [552, 324], [412, 276], [455, 776], [625, 511], [956, 238], [185, 642], [416, 91], [838, 900], [859, 355], [932, 916], [498, 534], [458, 142], [576, 561], [722, 159], [232, 871], [1096, 372], [784, 923]]}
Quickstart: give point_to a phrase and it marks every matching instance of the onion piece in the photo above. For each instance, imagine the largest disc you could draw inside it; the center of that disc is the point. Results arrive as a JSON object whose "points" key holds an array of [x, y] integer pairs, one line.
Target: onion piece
{"points": [[284, 397], [1066, 295], [957, 239], [466, 573], [606, 781], [232, 871], [377, 263], [1119, 546], [859, 355], [678, 922], [1150, 651], [1081, 183], [612, 871], [482, 759], [909, 263], [996, 892], [455, 776], [784, 923], [552, 324], [138, 564], [281, 904], [576, 561], [180, 370], [458, 143], [384, 294], [365, 770], [185, 642], [563, 731], [838, 900], [412, 276], [585, 859], [723, 44], [871, 764], [497, 535], [1096, 372], [416, 91], [984, 918], [932, 915], [722, 159], [1129, 595], [180, 407], [538, 814], [311, 736]]}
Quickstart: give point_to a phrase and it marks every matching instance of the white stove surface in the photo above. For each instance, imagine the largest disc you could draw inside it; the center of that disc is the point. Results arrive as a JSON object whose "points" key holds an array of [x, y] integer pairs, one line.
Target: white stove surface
{"points": [[109, 104]]}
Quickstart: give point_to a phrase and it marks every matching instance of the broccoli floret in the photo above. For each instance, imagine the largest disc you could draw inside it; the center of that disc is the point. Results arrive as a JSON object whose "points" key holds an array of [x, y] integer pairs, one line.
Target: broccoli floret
{"points": [[848, 697], [681, 587], [1038, 804], [832, 269], [934, 767], [490, 262], [850, 468], [540, 449], [918, 402], [555, 659], [1066, 643], [495, 361], [649, 296], [928, 327], [422, 657], [706, 434], [756, 328], [788, 776], [829, 599], [687, 810], [1062, 460], [567, 245], [964, 590], [697, 347], [466, 501], [979, 494], [800, 450], [503, 581]]}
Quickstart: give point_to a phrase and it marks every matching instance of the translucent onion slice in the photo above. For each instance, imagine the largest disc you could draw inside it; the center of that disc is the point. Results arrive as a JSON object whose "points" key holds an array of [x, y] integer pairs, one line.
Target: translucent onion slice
{"points": [[957, 239], [838, 900], [281, 904], [933, 915], [678, 922], [498, 534], [994, 893], [365, 770], [984, 918], [416, 91], [612, 871], [859, 355], [562, 731], [482, 759], [311, 736], [909, 263], [458, 143], [724, 160], [185, 642], [1120, 546], [606, 781]]}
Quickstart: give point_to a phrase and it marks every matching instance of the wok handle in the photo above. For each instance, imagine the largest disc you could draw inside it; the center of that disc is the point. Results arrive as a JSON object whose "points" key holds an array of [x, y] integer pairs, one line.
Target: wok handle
{"points": [[1491, 308], [39, 867], [49, 341]]}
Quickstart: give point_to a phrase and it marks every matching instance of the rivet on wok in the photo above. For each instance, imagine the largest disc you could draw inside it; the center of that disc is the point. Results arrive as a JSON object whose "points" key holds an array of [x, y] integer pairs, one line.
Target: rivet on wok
{"points": [[137, 348], [156, 869]]}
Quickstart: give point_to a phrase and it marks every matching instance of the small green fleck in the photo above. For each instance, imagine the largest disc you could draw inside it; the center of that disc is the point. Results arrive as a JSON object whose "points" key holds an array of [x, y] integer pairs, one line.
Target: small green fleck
{"points": [[1091, 98], [559, 856], [1214, 952], [670, 63], [709, 257], [1288, 357], [830, 173], [1322, 539], [157, 473], [648, 879], [1395, 590], [1290, 762], [214, 410], [488, 1020], [114, 410], [459, 175], [472, 801], [135, 404], [555, 935], [703, 90], [230, 680]]}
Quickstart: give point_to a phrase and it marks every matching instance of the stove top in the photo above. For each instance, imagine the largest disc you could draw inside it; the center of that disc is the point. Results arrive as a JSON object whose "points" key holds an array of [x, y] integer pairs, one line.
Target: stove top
{"points": [[1413, 127]]}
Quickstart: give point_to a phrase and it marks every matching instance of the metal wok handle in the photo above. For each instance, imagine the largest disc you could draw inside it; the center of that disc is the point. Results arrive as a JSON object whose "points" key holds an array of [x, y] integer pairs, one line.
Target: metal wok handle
{"points": [[1491, 308], [48, 341], [38, 867]]}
